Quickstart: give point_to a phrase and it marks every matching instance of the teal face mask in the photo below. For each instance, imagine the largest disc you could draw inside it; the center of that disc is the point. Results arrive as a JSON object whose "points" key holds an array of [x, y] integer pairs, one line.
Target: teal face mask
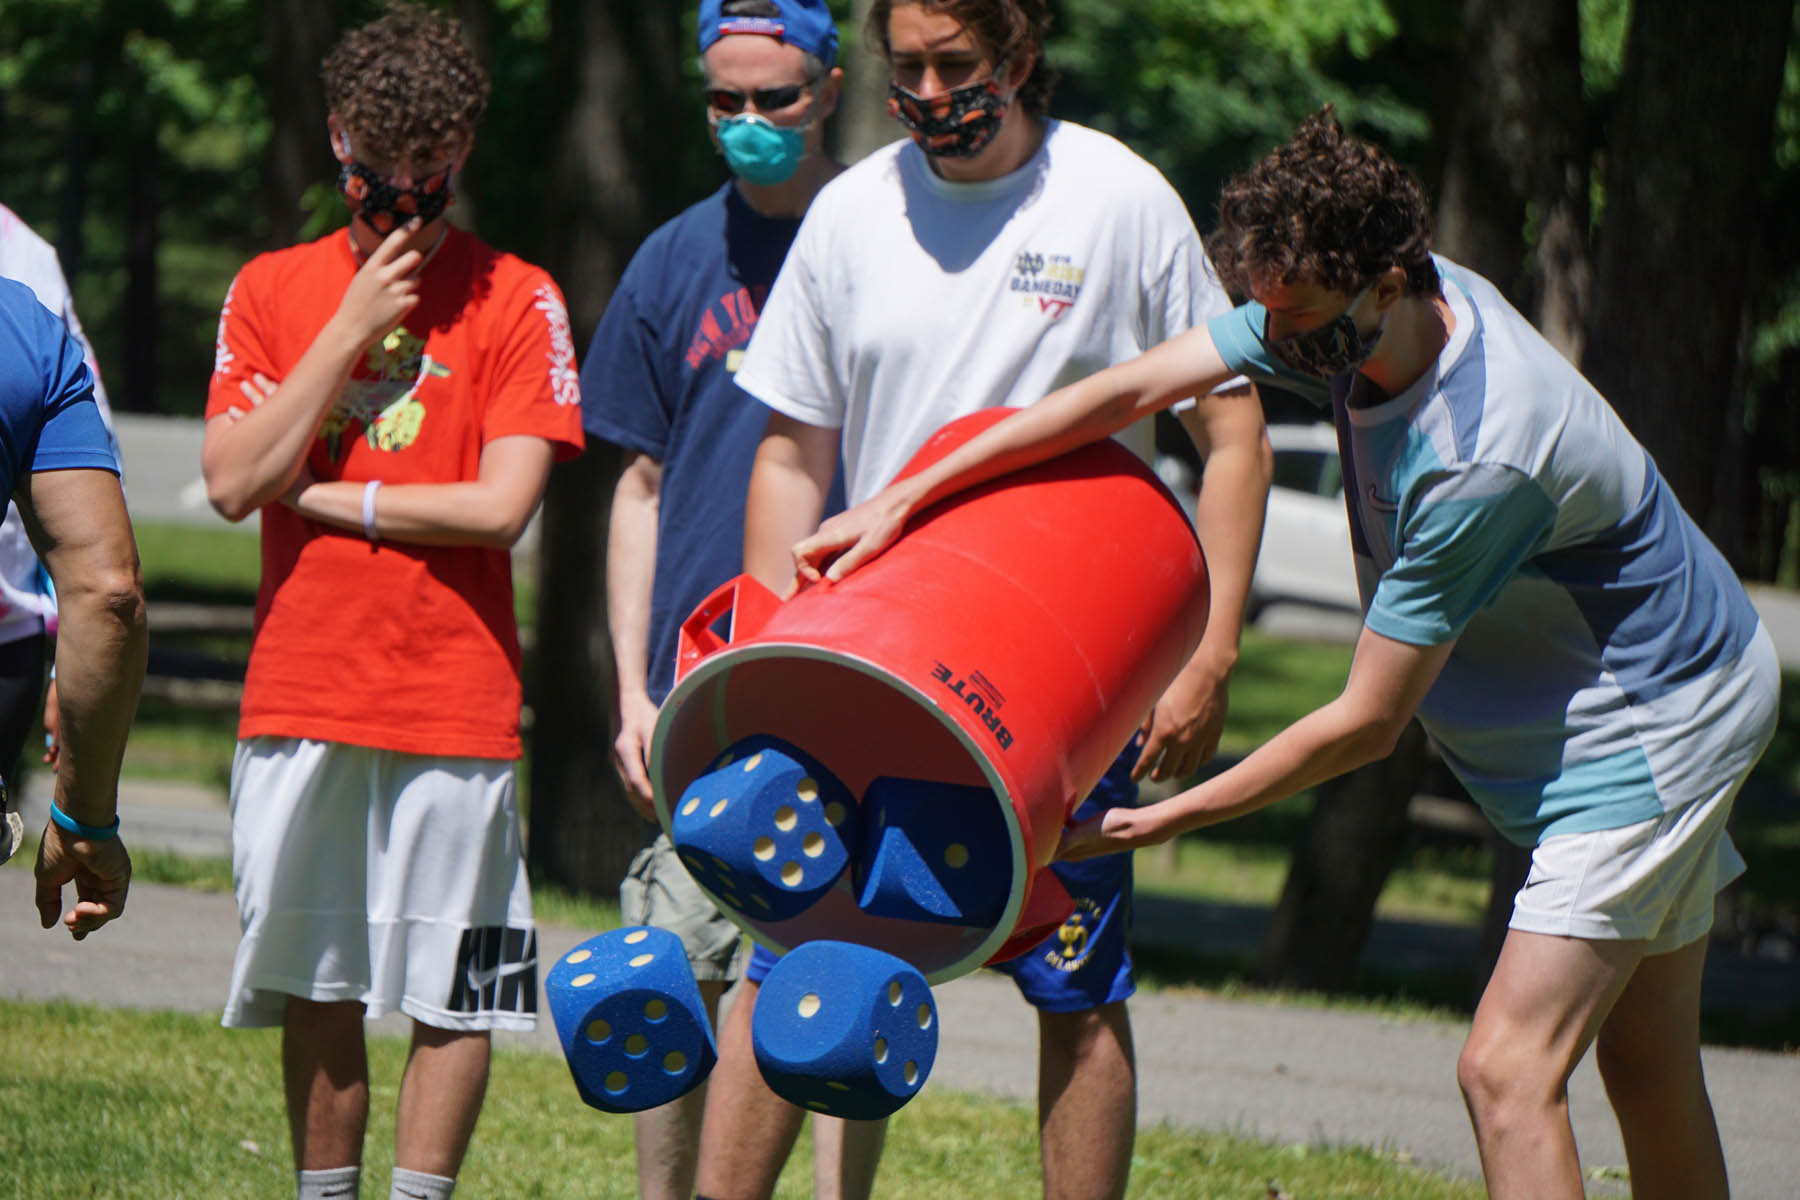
{"points": [[759, 151]]}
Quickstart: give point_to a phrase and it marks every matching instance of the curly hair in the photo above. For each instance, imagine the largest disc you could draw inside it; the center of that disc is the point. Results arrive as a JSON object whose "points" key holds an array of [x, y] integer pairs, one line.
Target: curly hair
{"points": [[1004, 28], [406, 84], [1327, 209]]}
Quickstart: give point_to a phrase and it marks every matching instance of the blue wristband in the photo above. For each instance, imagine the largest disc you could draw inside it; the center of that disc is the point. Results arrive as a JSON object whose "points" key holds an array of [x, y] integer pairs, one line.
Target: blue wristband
{"points": [[93, 833]]}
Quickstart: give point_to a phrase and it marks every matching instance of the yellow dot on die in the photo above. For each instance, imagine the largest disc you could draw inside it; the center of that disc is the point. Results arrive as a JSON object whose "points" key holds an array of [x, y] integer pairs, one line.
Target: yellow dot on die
{"points": [[718, 808], [835, 1086], [641, 959], [911, 1073], [818, 1106], [786, 818], [637, 1044], [759, 901], [956, 855], [791, 874], [656, 1010], [834, 814], [578, 956], [636, 936], [807, 789], [809, 1005], [764, 848], [880, 1050], [754, 761], [924, 1016], [674, 1062], [894, 992], [598, 1031], [688, 808], [616, 1081], [581, 980], [813, 845]]}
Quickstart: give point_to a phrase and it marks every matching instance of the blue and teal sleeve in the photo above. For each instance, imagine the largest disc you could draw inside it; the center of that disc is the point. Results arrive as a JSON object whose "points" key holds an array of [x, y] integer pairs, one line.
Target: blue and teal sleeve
{"points": [[1463, 537]]}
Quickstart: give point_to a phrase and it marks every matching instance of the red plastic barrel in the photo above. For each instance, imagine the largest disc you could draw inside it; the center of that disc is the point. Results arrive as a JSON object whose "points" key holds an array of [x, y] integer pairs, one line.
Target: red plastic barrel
{"points": [[1013, 638]]}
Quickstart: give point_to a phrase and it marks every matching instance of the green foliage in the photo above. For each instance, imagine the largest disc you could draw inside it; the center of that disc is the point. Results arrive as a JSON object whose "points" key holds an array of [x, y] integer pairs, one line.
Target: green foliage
{"points": [[1204, 87]]}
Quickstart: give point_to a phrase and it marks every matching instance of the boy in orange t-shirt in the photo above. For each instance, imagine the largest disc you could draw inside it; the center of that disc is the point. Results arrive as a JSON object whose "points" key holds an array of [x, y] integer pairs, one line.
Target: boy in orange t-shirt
{"points": [[391, 398]]}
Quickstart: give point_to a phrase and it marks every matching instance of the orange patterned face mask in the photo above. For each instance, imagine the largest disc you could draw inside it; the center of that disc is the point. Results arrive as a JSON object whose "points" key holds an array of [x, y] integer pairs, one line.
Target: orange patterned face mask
{"points": [[384, 207], [958, 123]]}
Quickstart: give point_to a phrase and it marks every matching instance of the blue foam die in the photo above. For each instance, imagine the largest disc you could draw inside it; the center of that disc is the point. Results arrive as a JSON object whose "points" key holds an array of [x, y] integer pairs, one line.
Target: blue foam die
{"points": [[628, 1012], [844, 1030], [931, 851], [768, 831]]}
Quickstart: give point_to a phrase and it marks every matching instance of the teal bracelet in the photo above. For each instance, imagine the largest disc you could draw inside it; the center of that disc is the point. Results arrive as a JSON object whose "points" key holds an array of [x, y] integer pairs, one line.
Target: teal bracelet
{"points": [[93, 833]]}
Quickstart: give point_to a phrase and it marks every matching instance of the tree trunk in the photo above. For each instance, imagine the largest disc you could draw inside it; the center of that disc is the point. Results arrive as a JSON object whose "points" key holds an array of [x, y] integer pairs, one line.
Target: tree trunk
{"points": [[614, 180], [298, 34], [141, 309], [863, 124], [1350, 845], [477, 19], [1519, 153], [71, 209], [1691, 146]]}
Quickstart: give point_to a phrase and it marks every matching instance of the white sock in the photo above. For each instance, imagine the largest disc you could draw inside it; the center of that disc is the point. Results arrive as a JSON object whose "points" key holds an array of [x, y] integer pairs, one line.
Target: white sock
{"points": [[417, 1185], [337, 1183]]}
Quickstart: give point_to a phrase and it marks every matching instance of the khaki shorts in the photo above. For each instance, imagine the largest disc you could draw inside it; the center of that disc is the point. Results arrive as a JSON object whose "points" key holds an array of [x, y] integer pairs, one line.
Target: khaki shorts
{"points": [[1654, 881], [657, 890]]}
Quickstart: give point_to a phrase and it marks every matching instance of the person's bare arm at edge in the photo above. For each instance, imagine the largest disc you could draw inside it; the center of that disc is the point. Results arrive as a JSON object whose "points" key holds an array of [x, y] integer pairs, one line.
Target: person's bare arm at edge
{"points": [[1388, 680], [1084, 411], [1182, 730], [789, 481], [78, 524], [630, 579], [251, 458]]}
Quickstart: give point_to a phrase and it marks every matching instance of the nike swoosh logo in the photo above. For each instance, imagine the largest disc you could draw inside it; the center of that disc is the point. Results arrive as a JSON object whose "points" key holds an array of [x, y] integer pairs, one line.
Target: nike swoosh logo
{"points": [[480, 978]]}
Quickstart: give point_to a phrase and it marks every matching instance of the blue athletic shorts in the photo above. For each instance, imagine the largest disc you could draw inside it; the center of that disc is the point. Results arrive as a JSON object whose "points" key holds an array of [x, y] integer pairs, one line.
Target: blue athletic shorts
{"points": [[1085, 963]]}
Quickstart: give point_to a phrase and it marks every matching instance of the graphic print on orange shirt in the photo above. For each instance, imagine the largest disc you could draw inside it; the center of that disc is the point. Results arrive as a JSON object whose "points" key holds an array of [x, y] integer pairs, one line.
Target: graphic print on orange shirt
{"points": [[383, 397]]}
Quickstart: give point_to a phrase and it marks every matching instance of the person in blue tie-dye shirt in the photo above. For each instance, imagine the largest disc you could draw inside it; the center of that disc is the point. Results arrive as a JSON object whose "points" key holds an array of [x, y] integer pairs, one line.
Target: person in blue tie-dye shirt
{"points": [[1581, 655]]}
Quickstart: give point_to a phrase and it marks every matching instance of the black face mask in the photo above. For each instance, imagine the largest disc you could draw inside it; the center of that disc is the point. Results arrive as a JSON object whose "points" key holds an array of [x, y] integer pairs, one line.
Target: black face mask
{"points": [[958, 123], [384, 207]]}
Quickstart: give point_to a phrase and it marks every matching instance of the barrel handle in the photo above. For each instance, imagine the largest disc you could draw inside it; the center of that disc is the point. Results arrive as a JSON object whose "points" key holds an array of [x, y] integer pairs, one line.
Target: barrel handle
{"points": [[750, 605]]}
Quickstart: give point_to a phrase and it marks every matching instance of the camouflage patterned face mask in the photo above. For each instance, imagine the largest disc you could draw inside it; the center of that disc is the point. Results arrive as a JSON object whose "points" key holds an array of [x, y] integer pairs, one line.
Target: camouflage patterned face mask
{"points": [[1332, 349]]}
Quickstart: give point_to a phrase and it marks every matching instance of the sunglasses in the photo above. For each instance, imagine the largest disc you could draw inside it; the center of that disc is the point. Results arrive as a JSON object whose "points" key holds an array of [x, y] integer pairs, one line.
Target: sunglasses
{"points": [[730, 102]]}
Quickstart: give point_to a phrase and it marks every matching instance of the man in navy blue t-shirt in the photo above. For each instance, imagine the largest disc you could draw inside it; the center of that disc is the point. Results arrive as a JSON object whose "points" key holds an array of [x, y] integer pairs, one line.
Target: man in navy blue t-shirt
{"points": [[657, 381], [56, 461]]}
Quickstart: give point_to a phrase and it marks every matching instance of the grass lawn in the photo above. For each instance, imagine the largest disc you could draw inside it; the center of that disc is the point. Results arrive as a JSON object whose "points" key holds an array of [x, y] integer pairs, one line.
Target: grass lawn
{"points": [[187, 1109]]}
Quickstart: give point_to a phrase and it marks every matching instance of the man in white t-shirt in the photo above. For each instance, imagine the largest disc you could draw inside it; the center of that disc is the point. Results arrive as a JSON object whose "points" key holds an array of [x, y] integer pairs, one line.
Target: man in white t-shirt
{"points": [[994, 257]]}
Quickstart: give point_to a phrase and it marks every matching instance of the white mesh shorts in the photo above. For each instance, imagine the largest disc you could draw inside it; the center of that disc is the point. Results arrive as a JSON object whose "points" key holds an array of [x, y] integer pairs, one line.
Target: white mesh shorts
{"points": [[387, 878], [1653, 881]]}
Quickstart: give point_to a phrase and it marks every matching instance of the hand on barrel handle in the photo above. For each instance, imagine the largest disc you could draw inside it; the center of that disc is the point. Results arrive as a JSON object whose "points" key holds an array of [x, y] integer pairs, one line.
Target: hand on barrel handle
{"points": [[853, 537], [1114, 830]]}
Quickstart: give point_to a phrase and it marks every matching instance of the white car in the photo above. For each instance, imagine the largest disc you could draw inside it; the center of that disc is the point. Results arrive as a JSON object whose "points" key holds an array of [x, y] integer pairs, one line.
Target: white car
{"points": [[1305, 553]]}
